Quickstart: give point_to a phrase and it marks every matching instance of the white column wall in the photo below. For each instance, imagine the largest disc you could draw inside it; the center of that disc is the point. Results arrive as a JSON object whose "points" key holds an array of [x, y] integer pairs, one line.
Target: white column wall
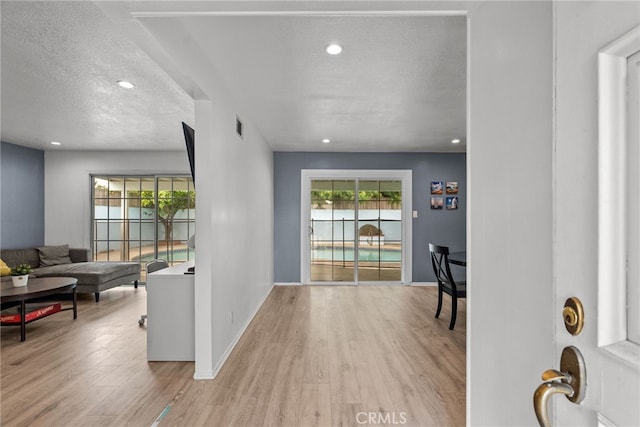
{"points": [[240, 182], [204, 225], [510, 328], [67, 195], [234, 238]]}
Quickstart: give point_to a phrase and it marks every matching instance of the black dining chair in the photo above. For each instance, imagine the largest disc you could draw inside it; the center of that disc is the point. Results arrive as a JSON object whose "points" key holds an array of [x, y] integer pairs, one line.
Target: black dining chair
{"points": [[446, 282]]}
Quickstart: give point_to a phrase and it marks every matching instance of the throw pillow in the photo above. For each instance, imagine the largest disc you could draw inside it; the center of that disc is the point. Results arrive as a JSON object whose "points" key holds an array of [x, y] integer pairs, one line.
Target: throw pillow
{"points": [[4, 269], [54, 255]]}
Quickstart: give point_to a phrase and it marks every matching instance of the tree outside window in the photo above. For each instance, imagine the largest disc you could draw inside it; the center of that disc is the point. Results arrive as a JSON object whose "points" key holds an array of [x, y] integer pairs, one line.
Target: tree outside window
{"points": [[169, 204]]}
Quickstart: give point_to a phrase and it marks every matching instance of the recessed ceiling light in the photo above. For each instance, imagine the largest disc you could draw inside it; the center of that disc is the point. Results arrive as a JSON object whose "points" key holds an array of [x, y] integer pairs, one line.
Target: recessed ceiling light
{"points": [[455, 141], [56, 143], [125, 84], [326, 141], [334, 49]]}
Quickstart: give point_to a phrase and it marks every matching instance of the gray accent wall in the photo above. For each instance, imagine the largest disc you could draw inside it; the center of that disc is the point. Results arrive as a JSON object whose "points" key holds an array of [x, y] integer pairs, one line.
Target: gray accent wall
{"points": [[445, 227], [21, 196]]}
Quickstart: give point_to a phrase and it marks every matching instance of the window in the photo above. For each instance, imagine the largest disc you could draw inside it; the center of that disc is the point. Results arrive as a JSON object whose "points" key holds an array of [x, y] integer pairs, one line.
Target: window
{"points": [[140, 218]]}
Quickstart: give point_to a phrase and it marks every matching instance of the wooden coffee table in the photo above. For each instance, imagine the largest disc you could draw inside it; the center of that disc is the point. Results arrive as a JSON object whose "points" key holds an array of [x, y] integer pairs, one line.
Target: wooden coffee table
{"points": [[38, 288]]}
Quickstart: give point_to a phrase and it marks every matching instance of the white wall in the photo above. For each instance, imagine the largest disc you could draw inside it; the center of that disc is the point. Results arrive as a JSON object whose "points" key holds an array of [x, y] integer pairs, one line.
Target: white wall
{"points": [[241, 227], [234, 219], [67, 200], [510, 332]]}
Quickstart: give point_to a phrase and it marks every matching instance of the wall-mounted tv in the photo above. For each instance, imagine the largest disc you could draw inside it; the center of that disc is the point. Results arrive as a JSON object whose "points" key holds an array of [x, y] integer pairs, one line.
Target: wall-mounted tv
{"points": [[189, 139]]}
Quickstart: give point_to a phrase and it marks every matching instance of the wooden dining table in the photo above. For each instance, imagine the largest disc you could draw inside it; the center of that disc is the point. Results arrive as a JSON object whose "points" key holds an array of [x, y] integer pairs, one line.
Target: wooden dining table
{"points": [[458, 258]]}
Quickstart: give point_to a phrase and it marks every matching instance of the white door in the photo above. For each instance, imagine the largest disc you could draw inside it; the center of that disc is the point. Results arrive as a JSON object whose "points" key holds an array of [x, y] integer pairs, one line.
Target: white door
{"points": [[596, 241]]}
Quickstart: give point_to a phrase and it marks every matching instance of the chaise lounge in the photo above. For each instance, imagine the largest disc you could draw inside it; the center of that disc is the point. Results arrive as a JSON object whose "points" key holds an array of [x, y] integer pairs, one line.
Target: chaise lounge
{"points": [[62, 261]]}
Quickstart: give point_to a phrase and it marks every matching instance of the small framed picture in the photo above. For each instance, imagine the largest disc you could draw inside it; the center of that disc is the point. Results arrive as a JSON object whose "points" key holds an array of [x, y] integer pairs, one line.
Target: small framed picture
{"points": [[437, 187], [452, 203], [452, 187], [436, 203]]}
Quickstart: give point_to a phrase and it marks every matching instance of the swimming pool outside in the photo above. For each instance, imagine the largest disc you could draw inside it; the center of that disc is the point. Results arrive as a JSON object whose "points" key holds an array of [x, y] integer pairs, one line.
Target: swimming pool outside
{"points": [[174, 256], [330, 253]]}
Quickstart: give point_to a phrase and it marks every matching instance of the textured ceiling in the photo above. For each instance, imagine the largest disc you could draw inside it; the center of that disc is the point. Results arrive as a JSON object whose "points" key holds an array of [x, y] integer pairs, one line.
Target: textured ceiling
{"points": [[399, 85], [60, 62]]}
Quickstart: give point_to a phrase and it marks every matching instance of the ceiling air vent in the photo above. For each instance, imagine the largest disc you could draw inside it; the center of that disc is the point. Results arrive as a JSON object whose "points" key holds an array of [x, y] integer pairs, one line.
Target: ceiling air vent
{"points": [[238, 127]]}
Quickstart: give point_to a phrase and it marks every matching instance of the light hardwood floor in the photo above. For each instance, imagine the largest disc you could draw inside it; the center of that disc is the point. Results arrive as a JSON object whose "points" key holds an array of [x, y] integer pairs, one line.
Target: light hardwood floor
{"points": [[313, 356], [337, 273]]}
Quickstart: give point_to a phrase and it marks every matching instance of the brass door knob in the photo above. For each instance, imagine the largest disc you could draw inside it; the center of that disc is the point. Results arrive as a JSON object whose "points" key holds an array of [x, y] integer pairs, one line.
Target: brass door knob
{"points": [[570, 381], [573, 315]]}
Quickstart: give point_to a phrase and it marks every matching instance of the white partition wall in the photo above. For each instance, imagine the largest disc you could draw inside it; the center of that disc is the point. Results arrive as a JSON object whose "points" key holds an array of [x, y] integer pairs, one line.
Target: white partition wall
{"points": [[510, 223]]}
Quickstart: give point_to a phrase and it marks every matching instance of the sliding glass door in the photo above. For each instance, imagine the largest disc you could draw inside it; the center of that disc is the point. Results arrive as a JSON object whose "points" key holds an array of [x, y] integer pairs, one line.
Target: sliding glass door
{"points": [[140, 218], [356, 227]]}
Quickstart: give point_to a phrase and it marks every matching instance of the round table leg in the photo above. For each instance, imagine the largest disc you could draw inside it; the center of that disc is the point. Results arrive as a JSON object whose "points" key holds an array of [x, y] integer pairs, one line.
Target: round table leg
{"points": [[23, 319], [75, 303]]}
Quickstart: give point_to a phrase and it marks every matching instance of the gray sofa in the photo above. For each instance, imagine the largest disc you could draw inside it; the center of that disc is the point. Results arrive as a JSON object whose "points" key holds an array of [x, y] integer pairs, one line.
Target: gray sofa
{"points": [[93, 277]]}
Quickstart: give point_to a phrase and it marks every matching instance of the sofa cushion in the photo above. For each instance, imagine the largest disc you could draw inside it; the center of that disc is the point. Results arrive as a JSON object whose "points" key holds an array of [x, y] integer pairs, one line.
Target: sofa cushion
{"points": [[79, 255], [90, 273], [14, 257], [53, 255]]}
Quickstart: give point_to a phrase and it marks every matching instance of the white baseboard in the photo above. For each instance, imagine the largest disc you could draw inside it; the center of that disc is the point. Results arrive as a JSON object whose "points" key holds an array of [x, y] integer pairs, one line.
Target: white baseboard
{"points": [[288, 284], [424, 284], [206, 375], [242, 330]]}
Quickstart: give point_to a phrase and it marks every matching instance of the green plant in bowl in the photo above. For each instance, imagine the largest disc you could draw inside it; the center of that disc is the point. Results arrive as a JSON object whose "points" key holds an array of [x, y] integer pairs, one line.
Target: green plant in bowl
{"points": [[21, 270]]}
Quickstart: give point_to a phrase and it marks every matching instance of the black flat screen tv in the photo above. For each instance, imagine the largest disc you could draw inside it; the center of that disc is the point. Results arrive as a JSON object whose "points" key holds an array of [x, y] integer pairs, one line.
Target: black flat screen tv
{"points": [[189, 139]]}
